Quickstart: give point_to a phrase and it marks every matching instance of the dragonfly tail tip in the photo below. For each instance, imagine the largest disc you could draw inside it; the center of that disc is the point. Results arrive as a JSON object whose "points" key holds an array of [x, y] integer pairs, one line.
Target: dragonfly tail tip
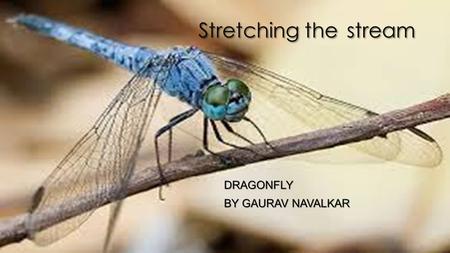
{"points": [[11, 20], [14, 19]]}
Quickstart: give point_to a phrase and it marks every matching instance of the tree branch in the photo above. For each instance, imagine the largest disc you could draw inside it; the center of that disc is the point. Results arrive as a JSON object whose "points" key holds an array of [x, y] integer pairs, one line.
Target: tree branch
{"points": [[14, 229]]}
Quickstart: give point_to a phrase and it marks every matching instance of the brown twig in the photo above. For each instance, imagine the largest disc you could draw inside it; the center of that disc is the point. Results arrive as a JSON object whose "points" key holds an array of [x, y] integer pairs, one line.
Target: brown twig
{"points": [[14, 230]]}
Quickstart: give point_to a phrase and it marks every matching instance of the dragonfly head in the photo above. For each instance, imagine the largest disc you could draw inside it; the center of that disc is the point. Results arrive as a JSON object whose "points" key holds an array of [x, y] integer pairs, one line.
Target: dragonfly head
{"points": [[226, 101]]}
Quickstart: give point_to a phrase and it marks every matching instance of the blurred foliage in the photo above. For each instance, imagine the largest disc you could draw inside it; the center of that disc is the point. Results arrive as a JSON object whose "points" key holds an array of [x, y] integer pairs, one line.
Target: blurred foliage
{"points": [[221, 237]]}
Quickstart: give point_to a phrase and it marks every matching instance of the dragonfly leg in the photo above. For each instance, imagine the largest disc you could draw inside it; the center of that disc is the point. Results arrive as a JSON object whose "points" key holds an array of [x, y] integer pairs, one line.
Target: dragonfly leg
{"points": [[170, 141], [169, 145], [205, 137], [259, 131], [168, 128], [206, 144], [221, 140], [231, 130]]}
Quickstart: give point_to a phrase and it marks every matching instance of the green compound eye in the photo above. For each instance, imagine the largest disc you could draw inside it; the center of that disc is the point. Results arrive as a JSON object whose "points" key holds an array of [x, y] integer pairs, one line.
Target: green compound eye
{"points": [[217, 95], [236, 85]]}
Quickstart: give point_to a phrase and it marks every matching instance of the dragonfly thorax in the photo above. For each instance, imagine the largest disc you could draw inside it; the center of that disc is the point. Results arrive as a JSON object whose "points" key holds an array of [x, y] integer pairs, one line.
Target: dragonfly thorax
{"points": [[226, 101]]}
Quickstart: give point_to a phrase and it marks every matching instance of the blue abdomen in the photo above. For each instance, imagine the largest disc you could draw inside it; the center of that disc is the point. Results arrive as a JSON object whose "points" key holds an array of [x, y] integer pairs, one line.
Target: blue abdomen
{"points": [[190, 69]]}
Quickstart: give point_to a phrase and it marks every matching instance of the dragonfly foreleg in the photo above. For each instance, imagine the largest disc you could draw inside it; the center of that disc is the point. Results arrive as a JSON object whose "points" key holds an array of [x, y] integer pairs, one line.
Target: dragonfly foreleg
{"points": [[221, 140], [261, 133], [172, 123], [231, 130]]}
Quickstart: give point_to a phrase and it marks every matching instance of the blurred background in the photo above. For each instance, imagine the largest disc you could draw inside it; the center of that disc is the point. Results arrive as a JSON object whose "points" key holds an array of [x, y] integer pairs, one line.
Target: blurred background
{"points": [[47, 103]]}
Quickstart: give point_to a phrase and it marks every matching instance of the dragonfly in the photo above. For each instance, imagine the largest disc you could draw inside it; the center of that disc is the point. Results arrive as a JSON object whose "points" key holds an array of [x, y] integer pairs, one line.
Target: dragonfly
{"points": [[227, 93]]}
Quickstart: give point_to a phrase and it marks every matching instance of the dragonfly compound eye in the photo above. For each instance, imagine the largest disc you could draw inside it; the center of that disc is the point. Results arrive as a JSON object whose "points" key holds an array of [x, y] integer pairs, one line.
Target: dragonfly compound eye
{"points": [[239, 100], [239, 88], [215, 101]]}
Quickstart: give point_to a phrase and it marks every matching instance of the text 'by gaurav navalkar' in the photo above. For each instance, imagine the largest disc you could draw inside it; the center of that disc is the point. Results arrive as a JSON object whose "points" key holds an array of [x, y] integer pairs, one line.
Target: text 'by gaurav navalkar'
{"points": [[277, 185]]}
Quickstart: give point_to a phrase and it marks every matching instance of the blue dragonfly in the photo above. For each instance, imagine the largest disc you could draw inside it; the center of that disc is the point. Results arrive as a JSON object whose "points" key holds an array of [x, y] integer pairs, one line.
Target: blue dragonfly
{"points": [[226, 92]]}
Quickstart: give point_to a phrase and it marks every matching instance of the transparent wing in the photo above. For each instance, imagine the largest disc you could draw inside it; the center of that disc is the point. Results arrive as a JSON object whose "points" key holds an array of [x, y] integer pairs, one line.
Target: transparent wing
{"points": [[101, 163], [316, 111]]}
